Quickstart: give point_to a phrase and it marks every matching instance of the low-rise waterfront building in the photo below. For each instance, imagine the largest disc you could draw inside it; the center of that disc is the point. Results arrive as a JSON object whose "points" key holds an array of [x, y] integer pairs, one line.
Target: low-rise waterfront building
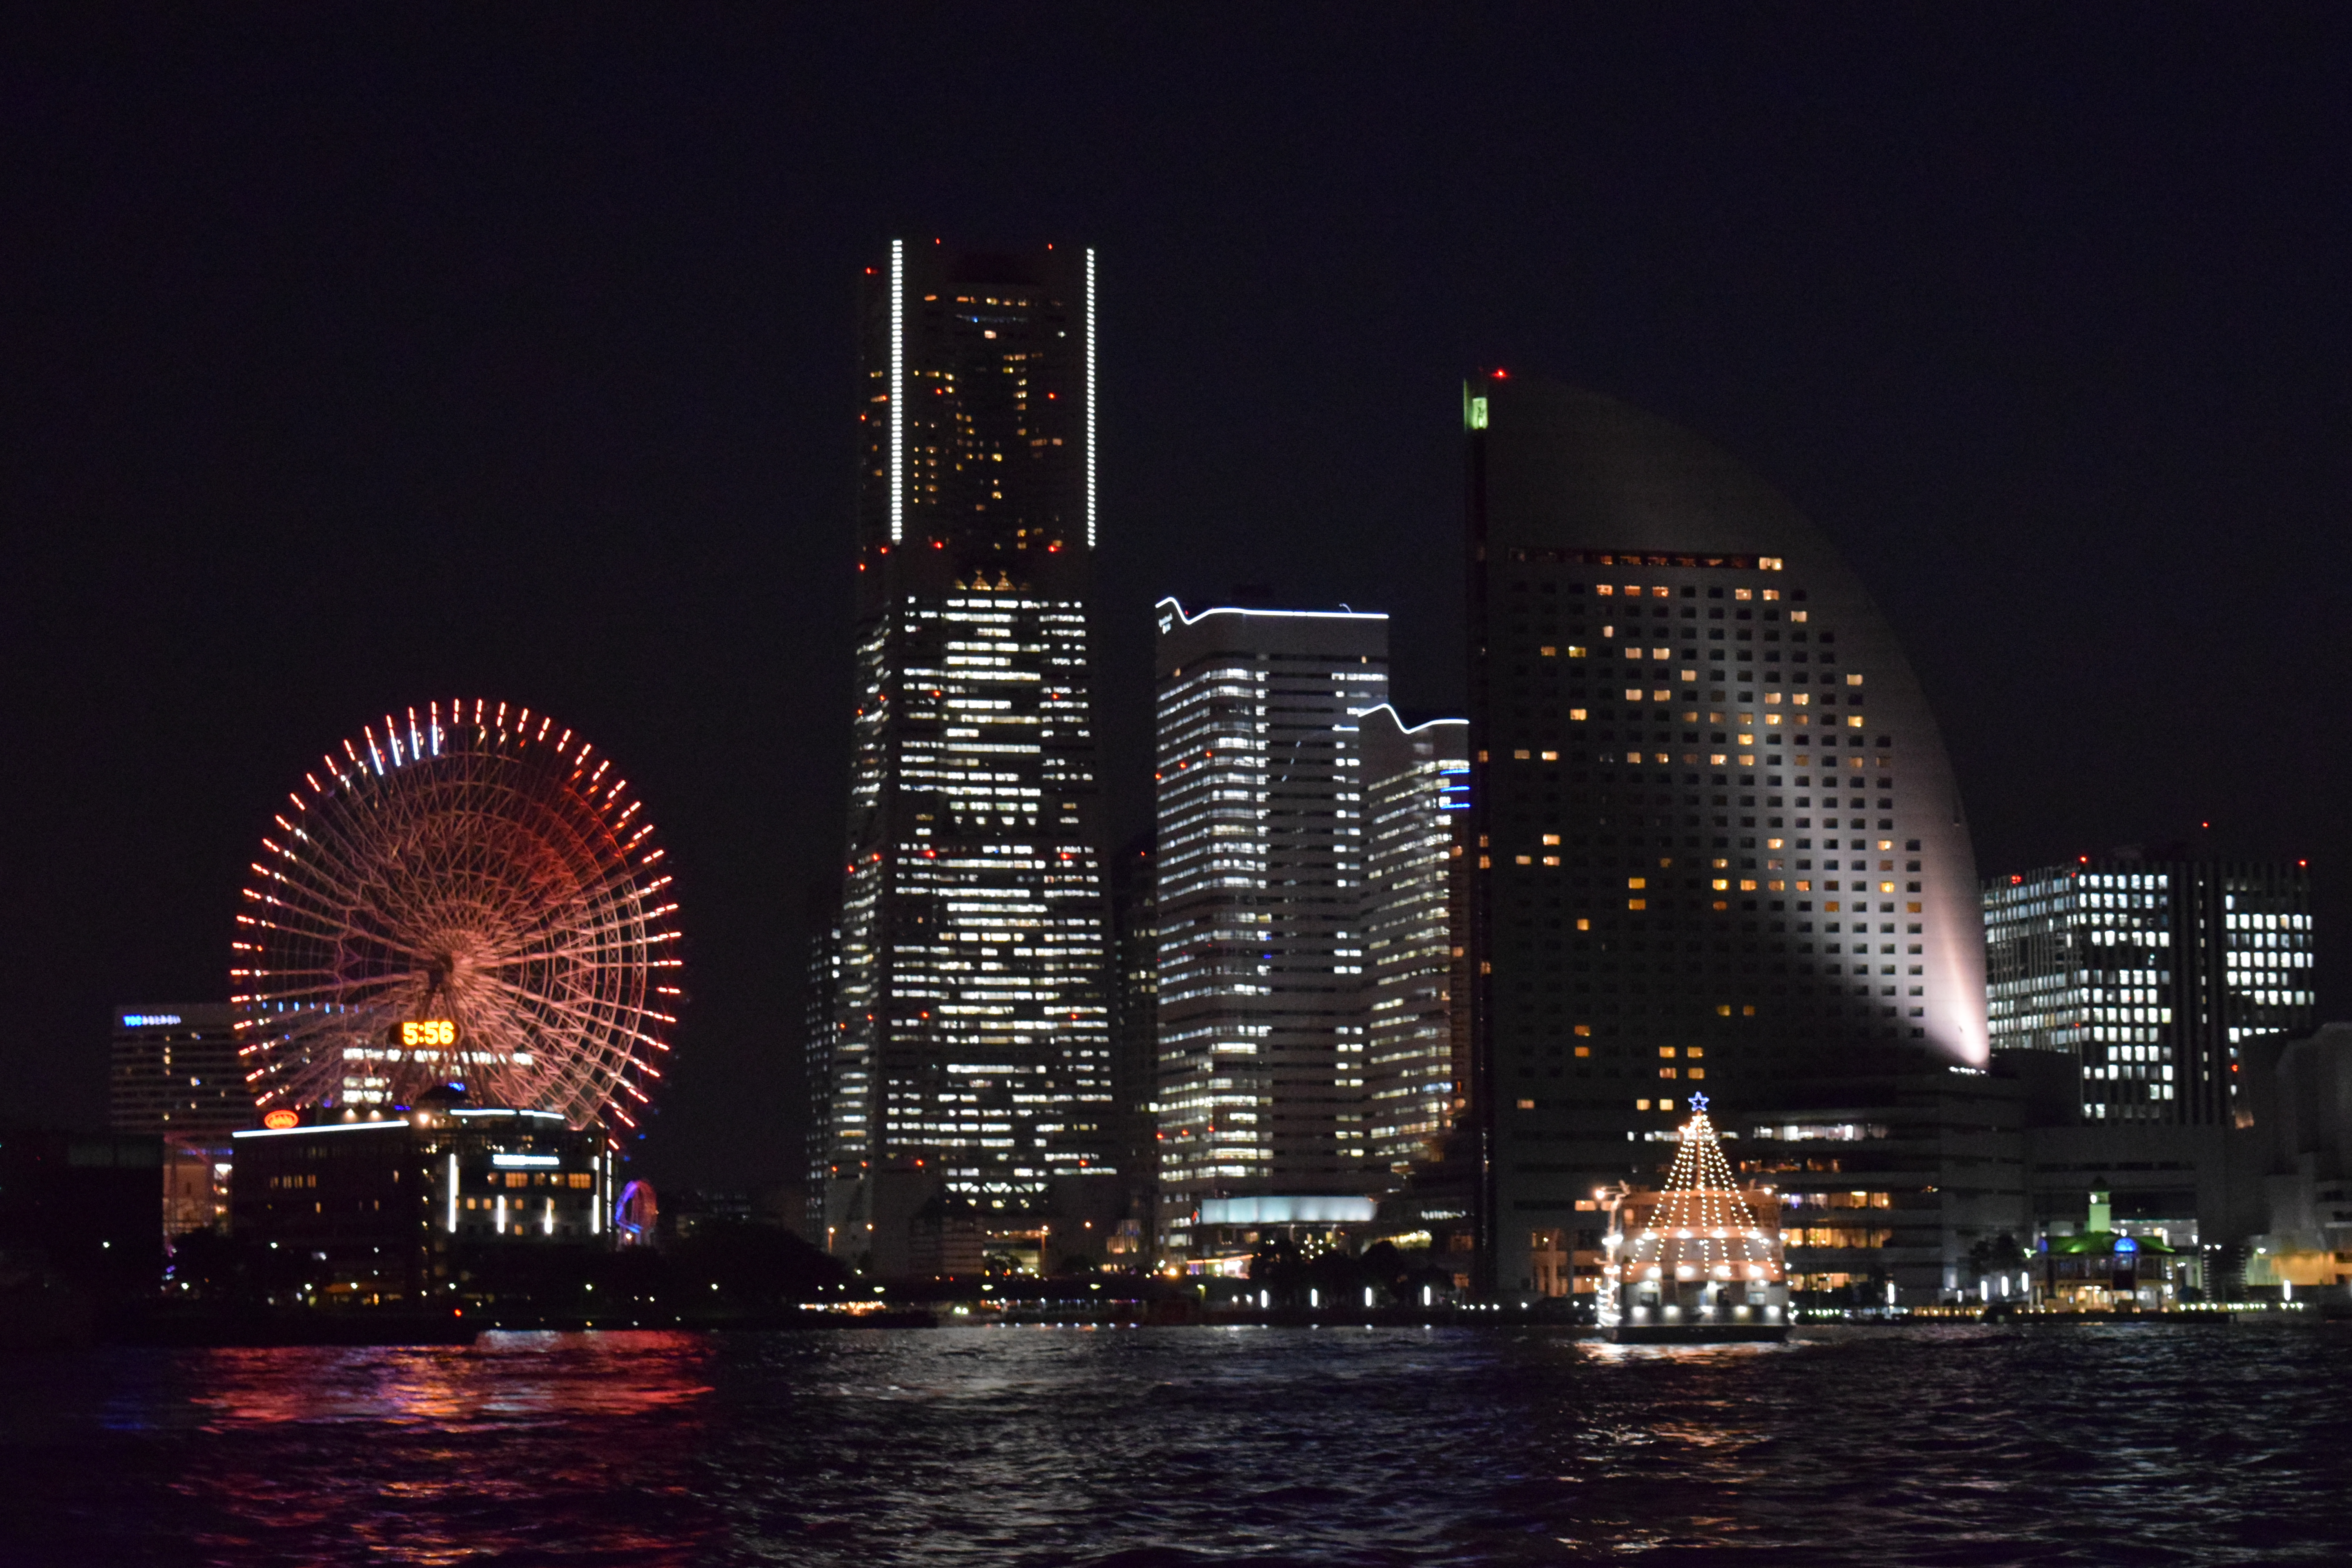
{"points": [[380, 1206]]}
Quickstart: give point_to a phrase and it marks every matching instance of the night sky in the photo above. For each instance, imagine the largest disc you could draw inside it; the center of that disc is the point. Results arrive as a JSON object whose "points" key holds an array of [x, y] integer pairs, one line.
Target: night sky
{"points": [[348, 359]]}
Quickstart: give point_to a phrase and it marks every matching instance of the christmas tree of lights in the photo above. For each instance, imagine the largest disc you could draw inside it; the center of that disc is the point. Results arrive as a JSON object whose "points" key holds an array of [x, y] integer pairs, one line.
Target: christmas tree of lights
{"points": [[1703, 1232]]}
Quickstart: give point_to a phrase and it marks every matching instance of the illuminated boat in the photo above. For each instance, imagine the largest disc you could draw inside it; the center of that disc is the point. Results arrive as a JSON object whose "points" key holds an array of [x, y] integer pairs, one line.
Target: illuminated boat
{"points": [[1694, 1262]]}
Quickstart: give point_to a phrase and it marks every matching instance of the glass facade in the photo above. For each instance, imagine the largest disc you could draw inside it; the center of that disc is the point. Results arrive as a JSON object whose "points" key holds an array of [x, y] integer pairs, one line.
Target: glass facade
{"points": [[1261, 891], [2148, 975], [974, 928], [1418, 1061]]}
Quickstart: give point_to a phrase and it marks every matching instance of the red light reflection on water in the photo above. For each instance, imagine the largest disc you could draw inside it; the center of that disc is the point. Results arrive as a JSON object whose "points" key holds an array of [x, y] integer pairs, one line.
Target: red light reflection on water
{"points": [[529, 1444]]}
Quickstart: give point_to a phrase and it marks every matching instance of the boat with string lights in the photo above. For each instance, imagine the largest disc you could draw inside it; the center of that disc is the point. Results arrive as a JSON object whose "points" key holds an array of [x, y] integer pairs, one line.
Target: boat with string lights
{"points": [[1697, 1260]]}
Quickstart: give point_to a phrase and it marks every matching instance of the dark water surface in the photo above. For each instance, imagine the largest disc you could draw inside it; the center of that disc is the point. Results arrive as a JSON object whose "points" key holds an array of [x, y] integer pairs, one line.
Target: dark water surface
{"points": [[1032, 1447]]}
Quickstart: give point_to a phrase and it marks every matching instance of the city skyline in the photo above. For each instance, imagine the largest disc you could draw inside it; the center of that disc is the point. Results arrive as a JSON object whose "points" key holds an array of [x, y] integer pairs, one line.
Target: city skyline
{"points": [[570, 426]]}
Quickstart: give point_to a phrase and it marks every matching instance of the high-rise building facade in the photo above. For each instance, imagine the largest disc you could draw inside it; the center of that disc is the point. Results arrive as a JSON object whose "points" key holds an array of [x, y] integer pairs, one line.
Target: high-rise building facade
{"points": [[1262, 951], [176, 1072], [1720, 846], [2148, 974], [821, 1030], [974, 925], [1416, 921], [1135, 1016]]}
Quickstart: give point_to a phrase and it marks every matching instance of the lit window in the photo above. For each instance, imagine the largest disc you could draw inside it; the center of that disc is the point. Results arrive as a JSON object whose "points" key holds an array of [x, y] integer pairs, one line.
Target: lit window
{"points": [[1583, 1028], [1583, 925], [1853, 680], [1722, 885], [1574, 652], [1637, 882], [1584, 1050], [1523, 859], [1577, 714], [1520, 756], [1797, 614], [1666, 1051], [1603, 589], [1549, 650]]}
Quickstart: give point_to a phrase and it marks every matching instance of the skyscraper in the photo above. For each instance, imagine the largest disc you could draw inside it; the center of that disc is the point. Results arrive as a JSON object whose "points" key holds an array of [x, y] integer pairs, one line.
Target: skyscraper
{"points": [[1263, 953], [1416, 921], [1719, 847], [974, 925], [1135, 1020], [2146, 976]]}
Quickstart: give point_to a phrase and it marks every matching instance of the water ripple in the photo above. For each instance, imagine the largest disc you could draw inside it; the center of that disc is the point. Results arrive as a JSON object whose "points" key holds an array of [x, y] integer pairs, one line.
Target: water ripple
{"points": [[1194, 1448]]}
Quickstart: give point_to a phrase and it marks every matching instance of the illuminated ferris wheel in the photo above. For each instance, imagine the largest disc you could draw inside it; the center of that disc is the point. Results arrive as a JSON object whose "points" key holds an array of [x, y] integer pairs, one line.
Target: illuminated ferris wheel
{"points": [[467, 895]]}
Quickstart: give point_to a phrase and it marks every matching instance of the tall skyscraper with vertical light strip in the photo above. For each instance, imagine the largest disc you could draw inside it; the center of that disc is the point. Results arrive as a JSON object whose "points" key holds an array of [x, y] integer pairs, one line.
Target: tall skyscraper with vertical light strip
{"points": [[974, 925]]}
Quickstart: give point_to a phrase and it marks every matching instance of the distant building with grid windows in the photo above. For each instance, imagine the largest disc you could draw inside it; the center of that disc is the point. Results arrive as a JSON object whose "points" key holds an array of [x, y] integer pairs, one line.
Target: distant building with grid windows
{"points": [[2148, 976], [1416, 920], [1260, 904]]}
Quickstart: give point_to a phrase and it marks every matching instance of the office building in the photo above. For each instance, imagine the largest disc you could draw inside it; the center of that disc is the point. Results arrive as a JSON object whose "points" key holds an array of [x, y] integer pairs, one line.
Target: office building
{"points": [[974, 957], [1720, 846], [821, 1031], [2147, 977], [174, 1072], [1416, 928], [389, 1211], [1135, 1037], [1261, 896]]}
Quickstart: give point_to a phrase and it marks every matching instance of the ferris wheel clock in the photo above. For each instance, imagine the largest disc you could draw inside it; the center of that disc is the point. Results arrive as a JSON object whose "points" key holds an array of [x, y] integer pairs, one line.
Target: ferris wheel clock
{"points": [[469, 891]]}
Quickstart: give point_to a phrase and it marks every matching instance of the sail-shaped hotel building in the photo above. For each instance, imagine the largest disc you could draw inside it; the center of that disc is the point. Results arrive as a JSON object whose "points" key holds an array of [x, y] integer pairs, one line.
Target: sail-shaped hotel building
{"points": [[1719, 847]]}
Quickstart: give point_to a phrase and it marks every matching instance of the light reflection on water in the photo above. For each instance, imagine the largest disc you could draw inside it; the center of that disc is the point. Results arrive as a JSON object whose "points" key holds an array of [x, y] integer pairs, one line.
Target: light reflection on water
{"points": [[1140, 1448]]}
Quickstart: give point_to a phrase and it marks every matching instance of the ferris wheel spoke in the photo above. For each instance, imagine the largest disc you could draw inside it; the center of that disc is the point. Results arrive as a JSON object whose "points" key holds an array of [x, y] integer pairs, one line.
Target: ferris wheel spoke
{"points": [[504, 874]]}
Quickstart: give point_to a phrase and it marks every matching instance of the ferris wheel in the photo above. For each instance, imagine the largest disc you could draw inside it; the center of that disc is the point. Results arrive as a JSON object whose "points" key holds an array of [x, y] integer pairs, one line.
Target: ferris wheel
{"points": [[468, 896]]}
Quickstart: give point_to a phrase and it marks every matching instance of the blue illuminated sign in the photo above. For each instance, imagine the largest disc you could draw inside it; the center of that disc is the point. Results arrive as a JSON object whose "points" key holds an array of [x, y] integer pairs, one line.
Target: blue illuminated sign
{"points": [[147, 1020], [2125, 1244]]}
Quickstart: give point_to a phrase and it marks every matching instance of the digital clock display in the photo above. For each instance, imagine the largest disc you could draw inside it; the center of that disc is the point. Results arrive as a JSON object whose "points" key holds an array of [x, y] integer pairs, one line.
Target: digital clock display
{"points": [[425, 1033]]}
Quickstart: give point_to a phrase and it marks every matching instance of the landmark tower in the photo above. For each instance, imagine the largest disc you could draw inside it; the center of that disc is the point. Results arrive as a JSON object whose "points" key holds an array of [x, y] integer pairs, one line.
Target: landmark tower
{"points": [[974, 952]]}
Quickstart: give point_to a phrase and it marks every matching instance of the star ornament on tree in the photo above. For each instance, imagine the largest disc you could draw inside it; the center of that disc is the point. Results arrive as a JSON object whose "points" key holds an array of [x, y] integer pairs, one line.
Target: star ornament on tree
{"points": [[1698, 1102]]}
